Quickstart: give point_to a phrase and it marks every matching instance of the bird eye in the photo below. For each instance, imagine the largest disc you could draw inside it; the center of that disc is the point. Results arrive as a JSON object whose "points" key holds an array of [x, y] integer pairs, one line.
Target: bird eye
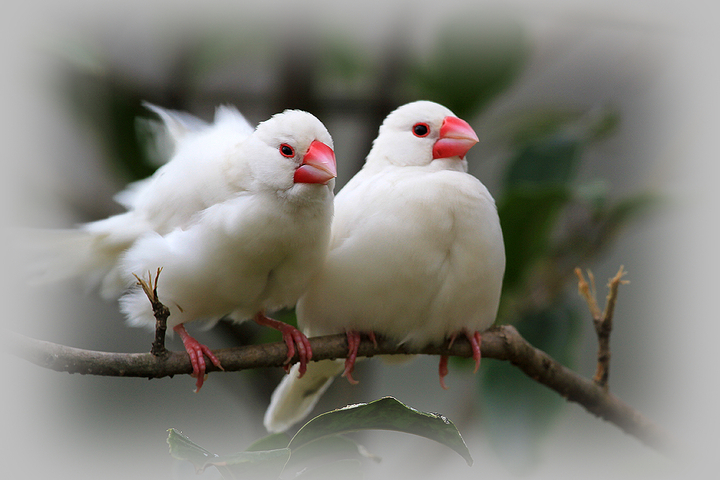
{"points": [[421, 130], [287, 151]]}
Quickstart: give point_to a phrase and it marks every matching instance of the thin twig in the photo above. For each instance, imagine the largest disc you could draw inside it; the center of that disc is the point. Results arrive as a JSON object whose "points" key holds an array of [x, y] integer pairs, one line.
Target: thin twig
{"points": [[501, 343], [601, 320], [588, 292], [160, 311]]}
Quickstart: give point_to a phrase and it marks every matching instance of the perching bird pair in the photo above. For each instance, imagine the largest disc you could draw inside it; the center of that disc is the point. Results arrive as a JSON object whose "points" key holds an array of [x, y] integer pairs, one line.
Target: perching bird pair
{"points": [[241, 222]]}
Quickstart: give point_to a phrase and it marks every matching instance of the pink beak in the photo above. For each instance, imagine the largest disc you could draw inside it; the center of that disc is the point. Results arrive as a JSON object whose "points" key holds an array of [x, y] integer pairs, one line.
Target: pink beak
{"points": [[456, 138], [318, 165]]}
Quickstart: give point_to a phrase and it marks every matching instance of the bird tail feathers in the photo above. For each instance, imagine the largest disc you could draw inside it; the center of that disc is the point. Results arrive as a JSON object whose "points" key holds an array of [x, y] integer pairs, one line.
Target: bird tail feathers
{"points": [[56, 255], [294, 398]]}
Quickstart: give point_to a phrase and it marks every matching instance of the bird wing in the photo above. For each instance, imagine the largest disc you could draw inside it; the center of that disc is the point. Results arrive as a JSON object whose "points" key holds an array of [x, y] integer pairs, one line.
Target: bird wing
{"points": [[193, 178]]}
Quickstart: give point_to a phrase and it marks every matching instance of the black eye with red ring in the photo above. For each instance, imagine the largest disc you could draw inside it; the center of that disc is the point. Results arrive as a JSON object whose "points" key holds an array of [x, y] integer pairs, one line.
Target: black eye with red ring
{"points": [[421, 130], [287, 151]]}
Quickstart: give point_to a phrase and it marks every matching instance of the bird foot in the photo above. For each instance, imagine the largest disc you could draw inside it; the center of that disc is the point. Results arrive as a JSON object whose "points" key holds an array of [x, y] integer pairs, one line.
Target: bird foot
{"points": [[197, 352], [475, 340], [353, 339], [443, 370], [293, 338]]}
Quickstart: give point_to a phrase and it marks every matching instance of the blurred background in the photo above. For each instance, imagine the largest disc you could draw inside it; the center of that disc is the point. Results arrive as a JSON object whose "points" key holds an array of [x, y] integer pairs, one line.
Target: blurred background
{"points": [[595, 133]]}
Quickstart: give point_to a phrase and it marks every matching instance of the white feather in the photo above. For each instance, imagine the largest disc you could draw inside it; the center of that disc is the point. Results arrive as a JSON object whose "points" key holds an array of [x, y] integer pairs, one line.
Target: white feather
{"points": [[293, 400]]}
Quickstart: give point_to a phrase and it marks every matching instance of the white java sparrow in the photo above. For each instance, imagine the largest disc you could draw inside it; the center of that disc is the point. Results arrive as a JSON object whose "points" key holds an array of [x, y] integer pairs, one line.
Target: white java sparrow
{"points": [[238, 220], [416, 253]]}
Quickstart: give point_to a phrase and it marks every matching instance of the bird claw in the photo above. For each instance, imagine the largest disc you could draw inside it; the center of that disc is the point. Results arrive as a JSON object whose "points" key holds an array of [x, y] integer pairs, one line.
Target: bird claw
{"points": [[443, 370], [197, 353], [475, 340], [293, 338], [353, 339]]}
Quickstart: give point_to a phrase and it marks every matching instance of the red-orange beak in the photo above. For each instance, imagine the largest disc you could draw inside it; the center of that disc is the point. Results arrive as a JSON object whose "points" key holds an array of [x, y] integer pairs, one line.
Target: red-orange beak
{"points": [[318, 165], [456, 138]]}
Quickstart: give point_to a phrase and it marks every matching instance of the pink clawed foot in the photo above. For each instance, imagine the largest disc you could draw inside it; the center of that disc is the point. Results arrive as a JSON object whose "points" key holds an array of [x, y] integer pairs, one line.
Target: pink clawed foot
{"points": [[443, 370], [197, 352], [373, 339], [292, 337], [475, 340], [353, 339]]}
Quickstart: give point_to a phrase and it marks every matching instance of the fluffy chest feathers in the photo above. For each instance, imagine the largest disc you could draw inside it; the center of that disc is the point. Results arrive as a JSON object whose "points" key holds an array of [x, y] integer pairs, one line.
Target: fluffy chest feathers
{"points": [[415, 254], [247, 254]]}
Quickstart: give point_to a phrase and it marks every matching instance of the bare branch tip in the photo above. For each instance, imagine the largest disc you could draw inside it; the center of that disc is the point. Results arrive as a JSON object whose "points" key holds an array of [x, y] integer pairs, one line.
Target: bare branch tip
{"points": [[618, 278], [587, 291], [157, 277], [593, 287], [582, 284], [145, 287]]}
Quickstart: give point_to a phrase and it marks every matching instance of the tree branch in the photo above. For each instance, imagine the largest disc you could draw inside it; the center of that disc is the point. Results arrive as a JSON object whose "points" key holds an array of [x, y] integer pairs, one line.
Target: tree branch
{"points": [[501, 343]]}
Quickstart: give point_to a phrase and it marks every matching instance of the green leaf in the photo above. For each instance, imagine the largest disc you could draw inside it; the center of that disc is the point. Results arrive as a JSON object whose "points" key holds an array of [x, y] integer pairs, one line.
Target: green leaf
{"points": [[250, 464], [182, 448], [318, 449], [527, 216], [326, 450], [266, 464], [537, 186], [518, 411], [384, 414], [269, 442], [347, 469]]}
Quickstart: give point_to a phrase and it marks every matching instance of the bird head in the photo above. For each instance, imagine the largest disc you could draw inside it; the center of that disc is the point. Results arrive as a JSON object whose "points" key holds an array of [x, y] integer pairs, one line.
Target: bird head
{"points": [[293, 148], [419, 133]]}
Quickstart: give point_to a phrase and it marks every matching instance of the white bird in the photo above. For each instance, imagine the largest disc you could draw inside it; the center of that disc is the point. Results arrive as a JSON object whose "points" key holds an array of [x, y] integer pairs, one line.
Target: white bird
{"points": [[416, 253], [238, 220]]}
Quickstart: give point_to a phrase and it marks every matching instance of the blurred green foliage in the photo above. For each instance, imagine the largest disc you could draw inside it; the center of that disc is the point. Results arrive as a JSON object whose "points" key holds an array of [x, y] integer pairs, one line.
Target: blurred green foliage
{"points": [[515, 410], [540, 197], [470, 64], [551, 222]]}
